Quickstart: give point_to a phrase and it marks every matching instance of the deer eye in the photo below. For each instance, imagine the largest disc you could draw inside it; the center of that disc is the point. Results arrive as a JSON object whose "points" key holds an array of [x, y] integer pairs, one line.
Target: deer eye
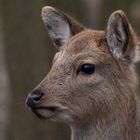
{"points": [[87, 68]]}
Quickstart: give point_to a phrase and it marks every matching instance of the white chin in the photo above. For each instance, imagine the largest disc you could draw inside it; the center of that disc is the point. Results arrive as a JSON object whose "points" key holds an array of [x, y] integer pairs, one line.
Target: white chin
{"points": [[60, 116], [46, 113]]}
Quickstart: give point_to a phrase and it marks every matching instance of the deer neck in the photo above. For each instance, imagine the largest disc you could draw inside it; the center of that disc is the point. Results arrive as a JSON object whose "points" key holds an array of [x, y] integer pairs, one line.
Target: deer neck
{"points": [[113, 128], [112, 132], [82, 133], [92, 133]]}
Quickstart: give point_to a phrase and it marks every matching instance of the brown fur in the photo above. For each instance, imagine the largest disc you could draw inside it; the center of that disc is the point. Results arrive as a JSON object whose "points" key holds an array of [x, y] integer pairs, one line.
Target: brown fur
{"points": [[102, 105]]}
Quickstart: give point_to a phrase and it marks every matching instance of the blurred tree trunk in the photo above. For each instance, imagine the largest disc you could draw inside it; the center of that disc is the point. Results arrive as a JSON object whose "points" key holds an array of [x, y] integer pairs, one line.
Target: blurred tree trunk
{"points": [[4, 89], [135, 15], [28, 56], [93, 12]]}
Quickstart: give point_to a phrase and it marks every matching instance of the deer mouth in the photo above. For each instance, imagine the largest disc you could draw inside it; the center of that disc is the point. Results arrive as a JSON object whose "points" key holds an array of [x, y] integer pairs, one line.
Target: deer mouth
{"points": [[45, 112]]}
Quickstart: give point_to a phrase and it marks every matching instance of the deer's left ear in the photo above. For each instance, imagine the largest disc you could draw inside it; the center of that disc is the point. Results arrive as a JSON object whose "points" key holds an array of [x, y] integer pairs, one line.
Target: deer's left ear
{"points": [[121, 38], [61, 27]]}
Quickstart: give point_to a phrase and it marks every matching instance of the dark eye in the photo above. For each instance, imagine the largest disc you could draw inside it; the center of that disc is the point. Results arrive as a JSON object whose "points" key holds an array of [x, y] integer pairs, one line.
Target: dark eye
{"points": [[87, 68]]}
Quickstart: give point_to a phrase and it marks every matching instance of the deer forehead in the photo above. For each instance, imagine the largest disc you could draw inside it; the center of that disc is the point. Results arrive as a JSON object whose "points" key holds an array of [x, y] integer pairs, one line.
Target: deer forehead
{"points": [[85, 40], [86, 44]]}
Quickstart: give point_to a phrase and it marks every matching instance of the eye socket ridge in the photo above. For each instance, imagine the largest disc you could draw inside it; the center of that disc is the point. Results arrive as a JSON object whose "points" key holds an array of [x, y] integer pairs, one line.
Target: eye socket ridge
{"points": [[87, 68]]}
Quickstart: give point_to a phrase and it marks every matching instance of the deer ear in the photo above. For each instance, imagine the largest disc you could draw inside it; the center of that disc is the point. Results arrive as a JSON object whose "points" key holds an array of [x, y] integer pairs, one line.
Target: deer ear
{"points": [[121, 38], [61, 27]]}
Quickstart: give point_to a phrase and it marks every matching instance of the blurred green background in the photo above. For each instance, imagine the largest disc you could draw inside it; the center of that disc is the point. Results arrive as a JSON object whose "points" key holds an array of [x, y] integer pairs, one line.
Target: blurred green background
{"points": [[26, 53]]}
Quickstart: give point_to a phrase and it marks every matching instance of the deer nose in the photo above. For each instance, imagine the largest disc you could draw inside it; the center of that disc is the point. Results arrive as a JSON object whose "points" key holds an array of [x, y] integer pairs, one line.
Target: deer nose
{"points": [[33, 99]]}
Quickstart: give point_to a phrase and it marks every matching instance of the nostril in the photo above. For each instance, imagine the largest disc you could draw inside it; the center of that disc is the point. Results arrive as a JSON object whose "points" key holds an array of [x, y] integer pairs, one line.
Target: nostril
{"points": [[37, 97], [34, 98]]}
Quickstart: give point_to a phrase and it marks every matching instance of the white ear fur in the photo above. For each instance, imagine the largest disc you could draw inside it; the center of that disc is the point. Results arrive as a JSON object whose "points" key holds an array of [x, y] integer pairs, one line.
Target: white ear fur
{"points": [[121, 38], [61, 27], [57, 24]]}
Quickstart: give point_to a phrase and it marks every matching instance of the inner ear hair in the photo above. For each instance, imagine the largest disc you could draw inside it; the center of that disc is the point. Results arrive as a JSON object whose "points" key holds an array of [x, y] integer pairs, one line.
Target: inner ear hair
{"points": [[121, 38], [61, 27]]}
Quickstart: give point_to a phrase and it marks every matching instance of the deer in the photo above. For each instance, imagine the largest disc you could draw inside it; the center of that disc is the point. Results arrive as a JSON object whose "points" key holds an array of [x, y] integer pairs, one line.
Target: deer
{"points": [[92, 83]]}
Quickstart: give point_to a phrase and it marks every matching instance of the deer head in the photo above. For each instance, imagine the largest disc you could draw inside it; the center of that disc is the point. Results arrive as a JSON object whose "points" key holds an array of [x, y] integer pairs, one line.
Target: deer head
{"points": [[92, 78]]}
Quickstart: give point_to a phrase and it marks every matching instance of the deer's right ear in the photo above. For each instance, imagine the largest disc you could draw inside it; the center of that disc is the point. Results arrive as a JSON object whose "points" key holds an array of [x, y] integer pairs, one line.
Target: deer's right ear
{"points": [[61, 27], [121, 39]]}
